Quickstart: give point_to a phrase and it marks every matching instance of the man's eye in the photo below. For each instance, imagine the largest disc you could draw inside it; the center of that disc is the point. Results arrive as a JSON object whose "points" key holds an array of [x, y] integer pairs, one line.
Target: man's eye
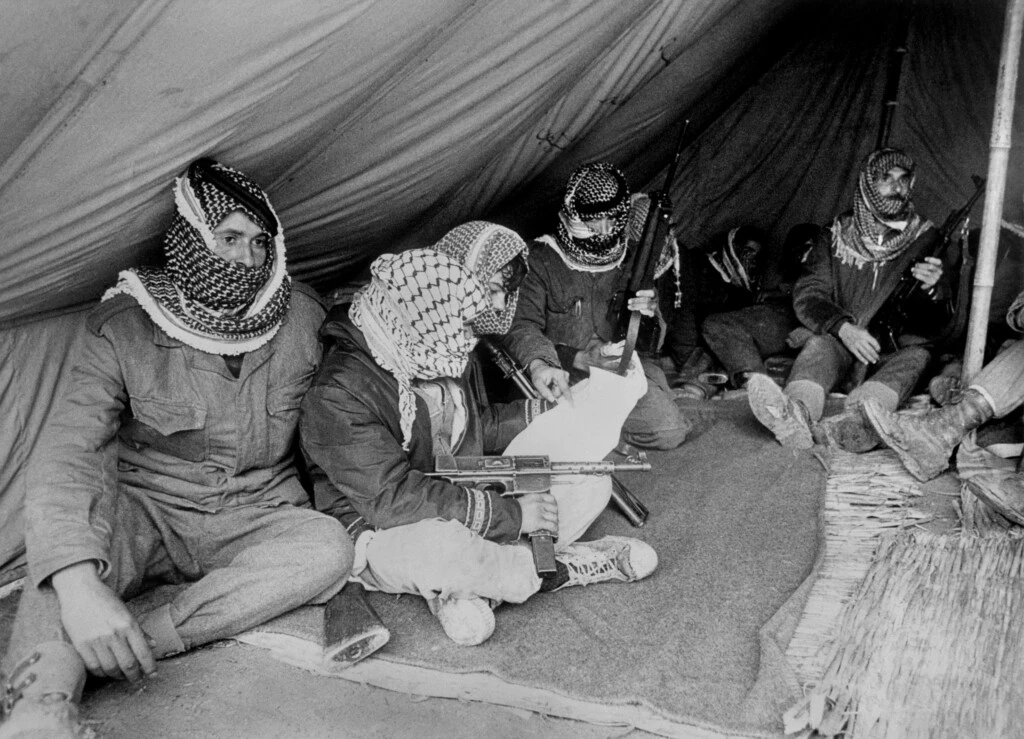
{"points": [[229, 240], [261, 243]]}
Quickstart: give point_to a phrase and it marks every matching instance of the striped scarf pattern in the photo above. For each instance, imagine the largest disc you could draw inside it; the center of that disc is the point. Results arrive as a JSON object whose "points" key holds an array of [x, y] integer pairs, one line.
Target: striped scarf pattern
{"points": [[413, 315]]}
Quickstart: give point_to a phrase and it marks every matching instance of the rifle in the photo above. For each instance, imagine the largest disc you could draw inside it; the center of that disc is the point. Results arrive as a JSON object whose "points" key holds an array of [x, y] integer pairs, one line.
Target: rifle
{"points": [[889, 323], [624, 498], [643, 261], [519, 475], [352, 628]]}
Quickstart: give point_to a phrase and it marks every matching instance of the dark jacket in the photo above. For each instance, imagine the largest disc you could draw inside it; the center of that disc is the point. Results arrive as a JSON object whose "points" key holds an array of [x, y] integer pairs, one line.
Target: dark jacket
{"points": [[830, 293], [351, 437]]}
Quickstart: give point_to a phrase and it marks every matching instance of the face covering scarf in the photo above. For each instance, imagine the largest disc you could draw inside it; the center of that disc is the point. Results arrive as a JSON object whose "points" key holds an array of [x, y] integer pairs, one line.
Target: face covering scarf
{"points": [[597, 190], [484, 249], [199, 298], [882, 227], [413, 315]]}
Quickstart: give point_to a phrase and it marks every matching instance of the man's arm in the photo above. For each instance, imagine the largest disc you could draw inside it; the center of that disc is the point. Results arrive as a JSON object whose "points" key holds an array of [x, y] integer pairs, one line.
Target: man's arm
{"points": [[69, 507], [813, 300], [363, 460]]}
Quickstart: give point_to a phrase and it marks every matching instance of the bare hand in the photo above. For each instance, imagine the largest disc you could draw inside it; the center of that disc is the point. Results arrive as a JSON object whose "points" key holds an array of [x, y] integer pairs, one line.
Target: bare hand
{"points": [[645, 301], [540, 513], [860, 342], [927, 272], [551, 382], [102, 630], [603, 354]]}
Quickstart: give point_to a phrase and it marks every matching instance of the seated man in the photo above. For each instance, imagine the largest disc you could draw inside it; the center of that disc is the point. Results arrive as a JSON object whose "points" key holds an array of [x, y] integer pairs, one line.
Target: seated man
{"points": [[169, 460], [391, 396], [741, 339], [849, 274], [925, 442], [562, 328]]}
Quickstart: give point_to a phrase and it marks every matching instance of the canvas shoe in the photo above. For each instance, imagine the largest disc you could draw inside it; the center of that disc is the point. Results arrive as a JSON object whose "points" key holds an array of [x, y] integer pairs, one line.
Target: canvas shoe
{"points": [[466, 621], [611, 558], [788, 419]]}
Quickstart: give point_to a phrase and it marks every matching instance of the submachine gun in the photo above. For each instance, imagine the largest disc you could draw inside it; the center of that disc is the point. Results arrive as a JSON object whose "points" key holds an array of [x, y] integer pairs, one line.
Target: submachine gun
{"points": [[639, 267], [892, 319], [624, 499], [524, 474]]}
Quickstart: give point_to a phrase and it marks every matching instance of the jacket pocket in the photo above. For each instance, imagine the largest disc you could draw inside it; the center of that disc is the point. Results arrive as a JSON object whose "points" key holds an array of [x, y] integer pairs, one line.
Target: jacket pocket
{"points": [[565, 323], [176, 429], [283, 409]]}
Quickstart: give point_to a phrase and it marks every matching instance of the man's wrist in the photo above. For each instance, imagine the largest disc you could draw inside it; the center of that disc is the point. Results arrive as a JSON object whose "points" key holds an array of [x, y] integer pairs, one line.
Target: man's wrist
{"points": [[74, 576]]}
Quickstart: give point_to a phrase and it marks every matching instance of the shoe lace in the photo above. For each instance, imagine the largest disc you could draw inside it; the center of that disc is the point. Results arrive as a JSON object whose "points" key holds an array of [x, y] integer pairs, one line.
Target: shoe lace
{"points": [[589, 565], [14, 685]]}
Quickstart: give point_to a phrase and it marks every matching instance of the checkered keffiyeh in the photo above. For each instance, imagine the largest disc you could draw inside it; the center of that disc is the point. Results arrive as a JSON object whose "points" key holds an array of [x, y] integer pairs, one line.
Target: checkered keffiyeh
{"points": [[413, 315], [198, 297], [595, 190], [882, 228], [484, 248]]}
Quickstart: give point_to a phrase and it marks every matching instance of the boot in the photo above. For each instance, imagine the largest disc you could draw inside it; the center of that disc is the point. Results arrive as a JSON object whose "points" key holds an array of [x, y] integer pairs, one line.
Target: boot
{"points": [[609, 559], [40, 698], [1002, 490], [788, 419], [849, 431], [925, 442]]}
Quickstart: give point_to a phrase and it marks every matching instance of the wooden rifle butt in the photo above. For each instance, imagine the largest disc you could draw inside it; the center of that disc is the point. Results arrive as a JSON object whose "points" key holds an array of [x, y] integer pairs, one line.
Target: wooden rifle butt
{"points": [[352, 628]]}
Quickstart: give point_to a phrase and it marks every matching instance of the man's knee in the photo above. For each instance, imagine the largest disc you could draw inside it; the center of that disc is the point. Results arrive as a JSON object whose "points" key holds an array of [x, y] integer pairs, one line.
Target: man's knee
{"points": [[325, 544]]}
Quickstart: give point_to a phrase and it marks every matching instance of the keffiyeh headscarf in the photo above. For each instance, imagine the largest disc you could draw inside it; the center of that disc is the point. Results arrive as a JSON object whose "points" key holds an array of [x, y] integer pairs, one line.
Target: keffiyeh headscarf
{"points": [[883, 227], [413, 315], [485, 249], [199, 298], [597, 190], [735, 262]]}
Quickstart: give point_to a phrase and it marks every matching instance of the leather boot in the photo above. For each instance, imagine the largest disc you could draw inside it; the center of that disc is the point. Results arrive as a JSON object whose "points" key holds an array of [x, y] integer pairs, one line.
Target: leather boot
{"points": [[925, 442], [788, 419], [40, 697], [849, 431]]}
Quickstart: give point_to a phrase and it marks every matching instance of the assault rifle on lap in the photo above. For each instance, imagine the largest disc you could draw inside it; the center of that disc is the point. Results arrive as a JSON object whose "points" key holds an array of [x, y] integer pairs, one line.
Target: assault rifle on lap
{"points": [[624, 499], [523, 474]]}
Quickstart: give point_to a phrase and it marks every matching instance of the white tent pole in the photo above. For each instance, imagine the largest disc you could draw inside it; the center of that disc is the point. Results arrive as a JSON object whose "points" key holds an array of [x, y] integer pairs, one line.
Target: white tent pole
{"points": [[995, 189]]}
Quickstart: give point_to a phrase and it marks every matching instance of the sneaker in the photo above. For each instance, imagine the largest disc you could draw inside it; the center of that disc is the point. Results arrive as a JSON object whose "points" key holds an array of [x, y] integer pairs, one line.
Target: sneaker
{"points": [[608, 559], [466, 621], [788, 419]]}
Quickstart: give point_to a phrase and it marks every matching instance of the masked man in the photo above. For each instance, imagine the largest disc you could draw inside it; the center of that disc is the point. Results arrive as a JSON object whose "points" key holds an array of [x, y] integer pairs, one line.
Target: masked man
{"points": [[562, 329], [392, 395], [849, 274], [169, 461]]}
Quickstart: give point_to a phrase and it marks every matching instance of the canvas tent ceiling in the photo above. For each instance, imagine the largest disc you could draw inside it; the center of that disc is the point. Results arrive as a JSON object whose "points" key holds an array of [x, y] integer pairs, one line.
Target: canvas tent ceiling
{"points": [[379, 125]]}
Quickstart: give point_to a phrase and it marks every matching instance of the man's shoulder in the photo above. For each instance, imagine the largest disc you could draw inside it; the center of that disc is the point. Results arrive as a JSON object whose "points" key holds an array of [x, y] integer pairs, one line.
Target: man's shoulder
{"points": [[306, 294], [121, 308]]}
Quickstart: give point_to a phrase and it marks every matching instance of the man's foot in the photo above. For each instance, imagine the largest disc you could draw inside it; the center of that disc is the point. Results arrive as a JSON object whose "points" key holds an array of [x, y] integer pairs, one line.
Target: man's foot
{"points": [[1002, 490], [609, 559], [466, 621], [788, 419], [39, 698], [925, 442], [849, 431]]}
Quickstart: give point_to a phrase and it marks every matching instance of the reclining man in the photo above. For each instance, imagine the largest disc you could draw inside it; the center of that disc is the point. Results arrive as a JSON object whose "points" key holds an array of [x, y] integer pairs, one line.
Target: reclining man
{"points": [[391, 396], [925, 442], [169, 461], [743, 338], [561, 328], [849, 274]]}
